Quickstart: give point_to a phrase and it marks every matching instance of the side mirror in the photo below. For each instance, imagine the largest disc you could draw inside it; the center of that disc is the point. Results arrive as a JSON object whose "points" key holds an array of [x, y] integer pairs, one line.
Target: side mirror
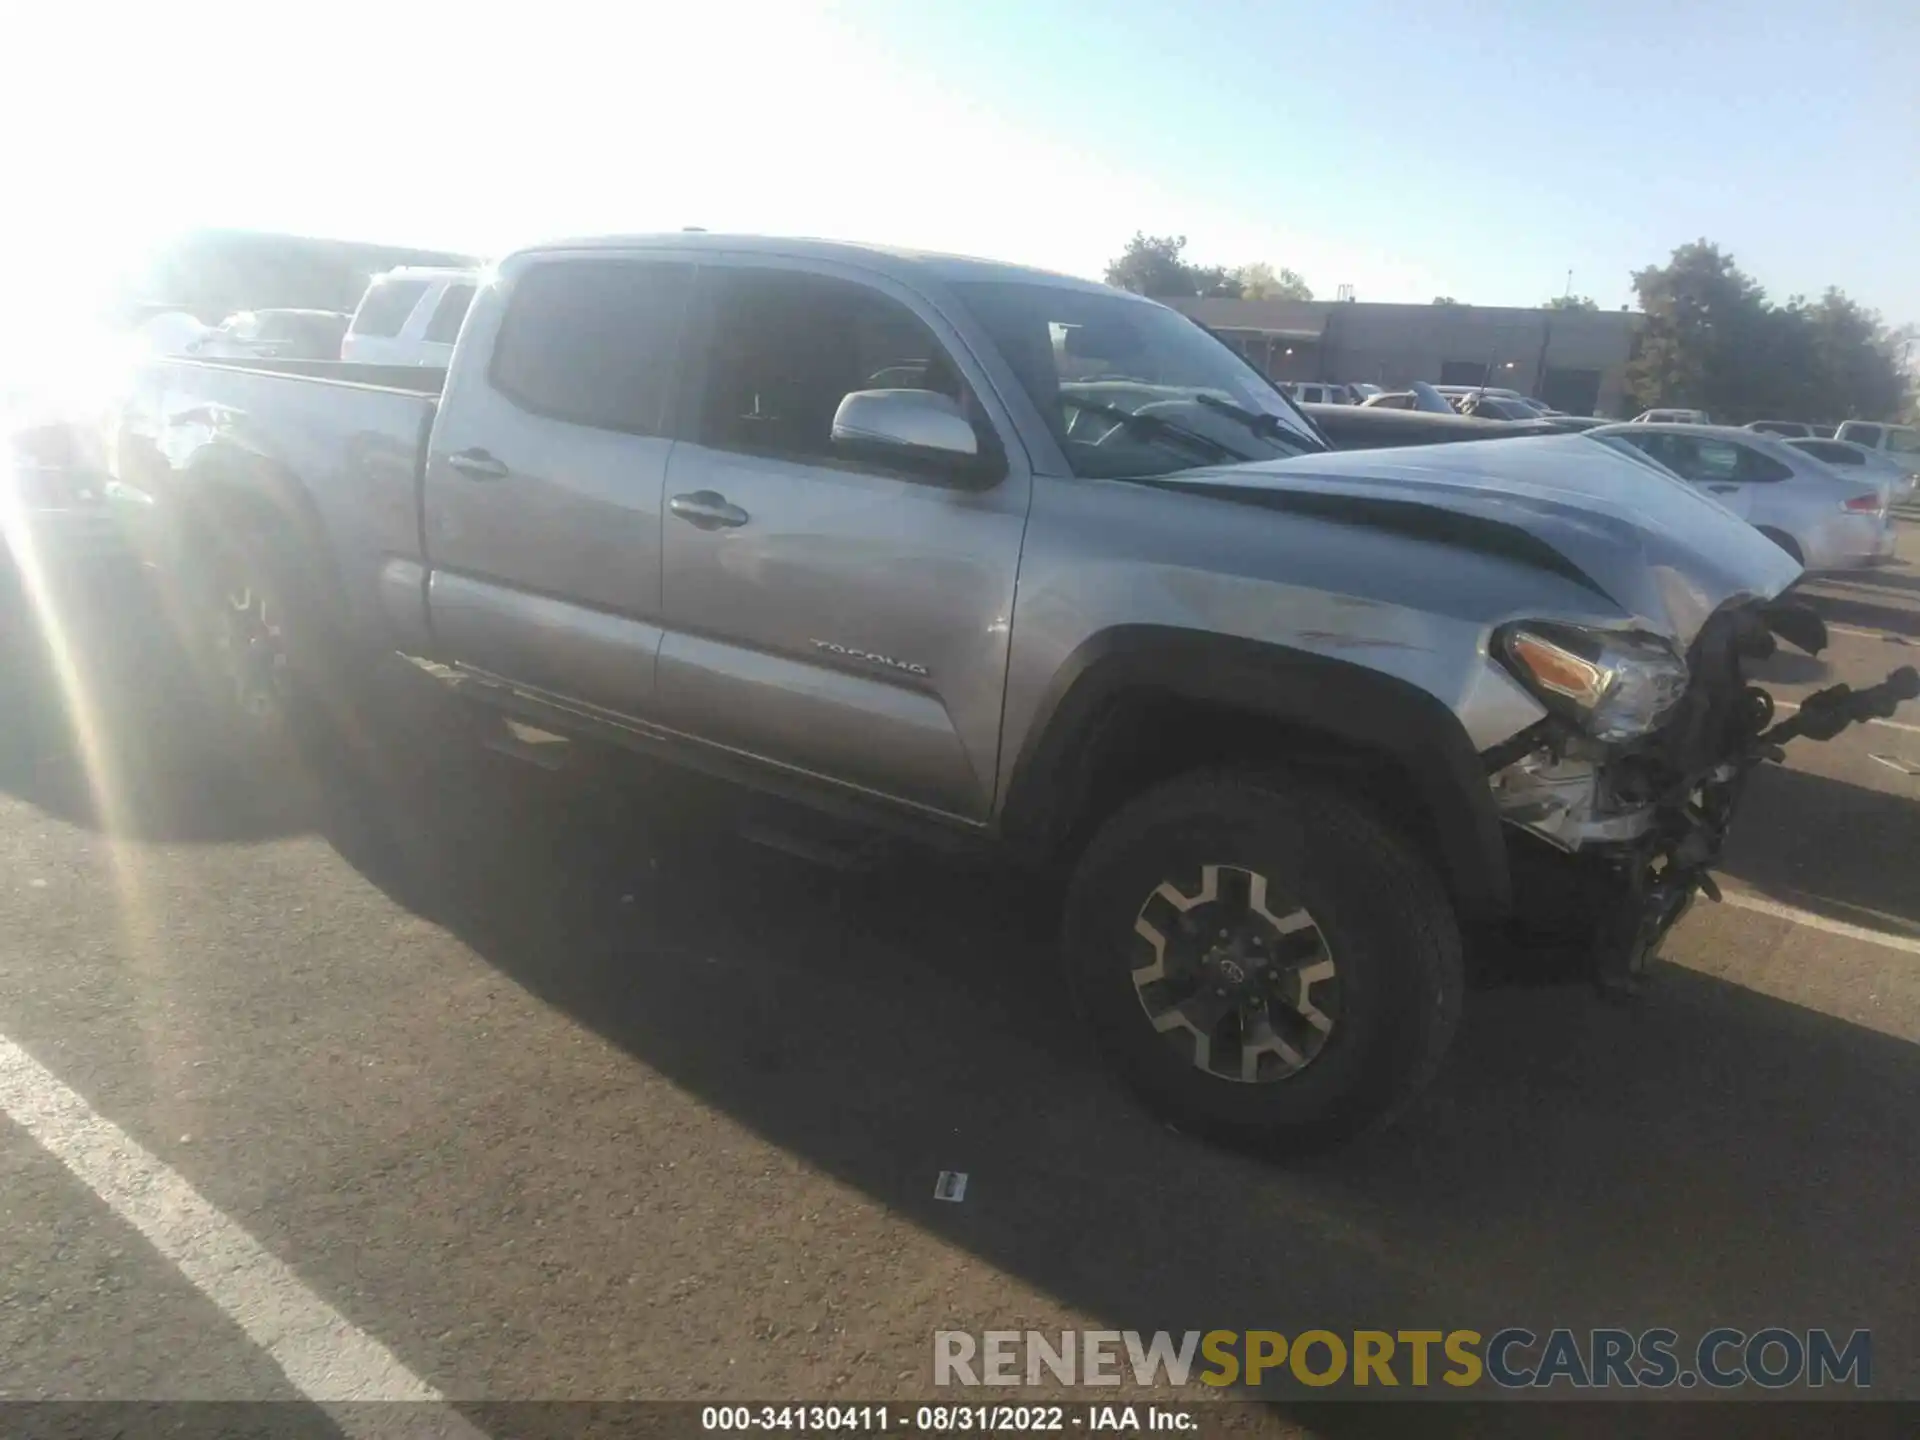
{"points": [[918, 428]]}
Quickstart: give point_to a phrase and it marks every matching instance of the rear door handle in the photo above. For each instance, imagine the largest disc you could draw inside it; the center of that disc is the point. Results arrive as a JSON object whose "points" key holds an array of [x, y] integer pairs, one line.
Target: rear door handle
{"points": [[1724, 489], [477, 464], [707, 509]]}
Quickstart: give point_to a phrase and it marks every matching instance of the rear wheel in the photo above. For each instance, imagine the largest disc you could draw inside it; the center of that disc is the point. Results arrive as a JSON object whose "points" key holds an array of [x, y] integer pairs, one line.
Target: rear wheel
{"points": [[280, 683], [1263, 960]]}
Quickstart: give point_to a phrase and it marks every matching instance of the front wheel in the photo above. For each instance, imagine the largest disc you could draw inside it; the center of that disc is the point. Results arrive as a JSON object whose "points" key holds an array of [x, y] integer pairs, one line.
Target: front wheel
{"points": [[1263, 960]]}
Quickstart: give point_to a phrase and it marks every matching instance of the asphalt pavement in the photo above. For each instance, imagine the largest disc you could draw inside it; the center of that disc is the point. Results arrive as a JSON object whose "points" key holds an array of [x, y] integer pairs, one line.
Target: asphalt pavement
{"points": [[547, 1087]]}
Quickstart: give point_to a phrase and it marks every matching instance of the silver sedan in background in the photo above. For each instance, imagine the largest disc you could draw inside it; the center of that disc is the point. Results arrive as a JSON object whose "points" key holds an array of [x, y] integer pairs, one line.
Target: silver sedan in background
{"points": [[1900, 472], [1822, 518]]}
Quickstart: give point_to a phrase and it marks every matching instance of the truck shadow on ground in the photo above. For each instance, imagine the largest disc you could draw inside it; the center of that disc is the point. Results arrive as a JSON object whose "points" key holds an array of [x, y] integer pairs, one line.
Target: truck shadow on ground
{"points": [[1891, 584], [101, 729], [1835, 848], [1867, 614], [1712, 1156]]}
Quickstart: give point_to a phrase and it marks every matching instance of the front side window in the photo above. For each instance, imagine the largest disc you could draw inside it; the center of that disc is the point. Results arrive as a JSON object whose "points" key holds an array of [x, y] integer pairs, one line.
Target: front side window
{"points": [[785, 347], [594, 342], [1753, 467], [385, 307], [1132, 389], [1903, 442], [1641, 449], [1693, 457], [1834, 453], [444, 327], [1867, 435]]}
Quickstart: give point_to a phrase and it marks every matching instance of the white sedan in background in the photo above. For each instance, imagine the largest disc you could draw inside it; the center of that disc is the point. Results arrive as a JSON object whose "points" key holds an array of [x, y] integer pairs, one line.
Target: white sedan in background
{"points": [[1901, 472], [1819, 516]]}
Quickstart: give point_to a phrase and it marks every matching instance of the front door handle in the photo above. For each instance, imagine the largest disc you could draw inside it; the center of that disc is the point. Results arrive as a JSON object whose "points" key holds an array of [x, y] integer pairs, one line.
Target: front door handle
{"points": [[477, 464], [707, 509], [1724, 489]]}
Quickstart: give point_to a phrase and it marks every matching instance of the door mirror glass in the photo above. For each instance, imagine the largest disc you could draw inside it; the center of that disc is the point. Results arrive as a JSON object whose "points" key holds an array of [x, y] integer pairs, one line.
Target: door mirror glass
{"points": [[918, 427]]}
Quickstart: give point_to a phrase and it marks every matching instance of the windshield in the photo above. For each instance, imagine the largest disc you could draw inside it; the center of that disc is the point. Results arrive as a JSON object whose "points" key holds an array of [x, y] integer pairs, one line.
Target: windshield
{"points": [[1133, 389]]}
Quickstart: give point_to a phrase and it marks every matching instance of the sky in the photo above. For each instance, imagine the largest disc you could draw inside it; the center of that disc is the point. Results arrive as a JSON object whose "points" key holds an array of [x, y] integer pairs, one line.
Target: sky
{"points": [[1476, 150]]}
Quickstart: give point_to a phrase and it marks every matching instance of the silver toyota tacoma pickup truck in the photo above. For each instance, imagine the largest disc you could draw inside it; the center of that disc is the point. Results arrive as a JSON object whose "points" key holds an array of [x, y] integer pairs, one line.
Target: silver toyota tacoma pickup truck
{"points": [[996, 555]]}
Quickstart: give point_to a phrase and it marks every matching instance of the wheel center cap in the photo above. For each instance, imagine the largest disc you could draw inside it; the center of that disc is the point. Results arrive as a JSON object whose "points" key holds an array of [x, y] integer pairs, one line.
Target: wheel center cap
{"points": [[1232, 972]]}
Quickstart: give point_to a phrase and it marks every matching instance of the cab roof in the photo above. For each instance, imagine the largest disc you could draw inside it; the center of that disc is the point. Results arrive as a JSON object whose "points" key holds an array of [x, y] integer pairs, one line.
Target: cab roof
{"points": [[888, 259]]}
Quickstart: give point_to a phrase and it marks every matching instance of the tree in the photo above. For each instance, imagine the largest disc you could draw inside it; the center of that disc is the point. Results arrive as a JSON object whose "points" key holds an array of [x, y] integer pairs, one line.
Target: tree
{"points": [[1154, 265], [1712, 341], [1259, 281], [1856, 359], [1704, 316], [1445, 300], [1570, 302]]}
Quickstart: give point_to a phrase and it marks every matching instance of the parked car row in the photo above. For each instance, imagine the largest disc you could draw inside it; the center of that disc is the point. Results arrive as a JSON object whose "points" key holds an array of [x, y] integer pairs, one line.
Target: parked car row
{"points": [[407, 316], [1823, 519], [1898, 441], [1900, 470]]}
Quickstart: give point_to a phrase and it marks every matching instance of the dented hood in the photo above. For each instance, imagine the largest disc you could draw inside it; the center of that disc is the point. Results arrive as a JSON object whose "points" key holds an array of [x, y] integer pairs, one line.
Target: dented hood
{"points": [[1666, 554]]}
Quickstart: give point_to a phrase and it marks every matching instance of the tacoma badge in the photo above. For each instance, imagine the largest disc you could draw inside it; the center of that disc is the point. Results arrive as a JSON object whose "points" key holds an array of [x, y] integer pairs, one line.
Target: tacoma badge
{"points": [[852, 654]]}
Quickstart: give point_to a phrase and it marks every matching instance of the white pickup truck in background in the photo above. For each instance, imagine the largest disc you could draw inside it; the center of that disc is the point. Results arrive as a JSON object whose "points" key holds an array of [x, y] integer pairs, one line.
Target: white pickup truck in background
{"points": [[410, 316]]}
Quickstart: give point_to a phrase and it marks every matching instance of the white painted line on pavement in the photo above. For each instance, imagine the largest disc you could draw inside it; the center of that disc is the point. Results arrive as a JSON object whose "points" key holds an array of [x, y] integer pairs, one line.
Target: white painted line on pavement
{"points": [[1887, 635], [323, 1354], [1907, 944], [1890, 724]]}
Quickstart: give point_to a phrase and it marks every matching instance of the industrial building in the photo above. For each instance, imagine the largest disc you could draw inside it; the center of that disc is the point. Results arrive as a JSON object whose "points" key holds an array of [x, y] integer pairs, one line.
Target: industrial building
{"points": [[1575, 360]]}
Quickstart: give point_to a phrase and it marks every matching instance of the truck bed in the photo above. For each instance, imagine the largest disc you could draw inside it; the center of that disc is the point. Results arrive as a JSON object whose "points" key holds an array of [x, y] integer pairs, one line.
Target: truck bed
{"points": [[342, 444]]}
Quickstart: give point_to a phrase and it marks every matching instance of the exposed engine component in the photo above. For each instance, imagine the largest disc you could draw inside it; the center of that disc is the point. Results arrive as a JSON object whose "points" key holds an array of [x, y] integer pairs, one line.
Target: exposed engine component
{"points": [[1567, 802]]}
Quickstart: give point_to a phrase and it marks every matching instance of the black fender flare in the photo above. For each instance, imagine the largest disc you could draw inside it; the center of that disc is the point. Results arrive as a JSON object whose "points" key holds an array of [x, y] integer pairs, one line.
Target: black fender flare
{"points": [[1348, 703]]}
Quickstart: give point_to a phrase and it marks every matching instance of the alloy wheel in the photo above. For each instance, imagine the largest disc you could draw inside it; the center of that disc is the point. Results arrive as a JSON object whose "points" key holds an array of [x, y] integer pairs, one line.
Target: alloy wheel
{"points": [[253, 654], [1236, 976]]}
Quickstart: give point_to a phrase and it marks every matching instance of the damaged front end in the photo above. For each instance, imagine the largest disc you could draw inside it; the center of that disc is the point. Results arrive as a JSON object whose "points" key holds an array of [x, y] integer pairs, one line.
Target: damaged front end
{"points": [[1613, 833]]}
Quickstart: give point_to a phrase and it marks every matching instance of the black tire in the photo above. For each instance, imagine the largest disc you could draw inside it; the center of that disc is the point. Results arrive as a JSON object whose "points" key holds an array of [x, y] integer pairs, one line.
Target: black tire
{"points": [[291, 704], [1382, 919], [1787, 543]]}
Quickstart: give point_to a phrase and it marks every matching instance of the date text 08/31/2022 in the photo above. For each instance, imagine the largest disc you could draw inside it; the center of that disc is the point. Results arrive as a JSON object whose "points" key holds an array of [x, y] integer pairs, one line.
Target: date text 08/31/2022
{"points": [[951, 1419]]}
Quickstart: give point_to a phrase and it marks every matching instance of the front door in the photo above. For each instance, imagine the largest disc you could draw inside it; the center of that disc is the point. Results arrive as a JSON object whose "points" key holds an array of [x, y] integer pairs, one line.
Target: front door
{"points": [[1711, 464], [835, 616], [543, 487]]}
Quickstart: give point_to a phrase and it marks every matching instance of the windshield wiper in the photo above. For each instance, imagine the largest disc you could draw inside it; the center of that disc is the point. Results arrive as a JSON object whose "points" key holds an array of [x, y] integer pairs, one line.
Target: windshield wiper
{"points": [[1265, 424], [1155, 426]]}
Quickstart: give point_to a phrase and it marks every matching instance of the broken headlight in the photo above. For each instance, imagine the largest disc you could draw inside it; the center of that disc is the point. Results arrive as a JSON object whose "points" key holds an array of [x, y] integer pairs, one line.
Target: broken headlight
{"points": [[1615, 687]]}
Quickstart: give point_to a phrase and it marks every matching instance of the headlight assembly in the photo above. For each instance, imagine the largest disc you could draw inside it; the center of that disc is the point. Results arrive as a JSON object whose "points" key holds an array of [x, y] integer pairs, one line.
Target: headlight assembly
{"points": [[1615, 687]]}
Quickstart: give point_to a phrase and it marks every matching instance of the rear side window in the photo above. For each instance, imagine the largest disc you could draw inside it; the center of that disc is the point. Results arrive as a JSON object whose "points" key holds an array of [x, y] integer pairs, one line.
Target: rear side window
{"points": [[444, 327], [1834, 453], [594, 342], [385, 307]]}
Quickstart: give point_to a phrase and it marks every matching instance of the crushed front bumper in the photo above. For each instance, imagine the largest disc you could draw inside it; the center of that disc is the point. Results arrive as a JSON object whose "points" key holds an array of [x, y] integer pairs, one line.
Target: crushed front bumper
{"points": [[1611, 844]]}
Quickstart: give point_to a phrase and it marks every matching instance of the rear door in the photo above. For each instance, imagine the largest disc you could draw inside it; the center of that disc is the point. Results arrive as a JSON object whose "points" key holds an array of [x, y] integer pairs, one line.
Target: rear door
{"points": [[847, 619], [544, 475]]}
